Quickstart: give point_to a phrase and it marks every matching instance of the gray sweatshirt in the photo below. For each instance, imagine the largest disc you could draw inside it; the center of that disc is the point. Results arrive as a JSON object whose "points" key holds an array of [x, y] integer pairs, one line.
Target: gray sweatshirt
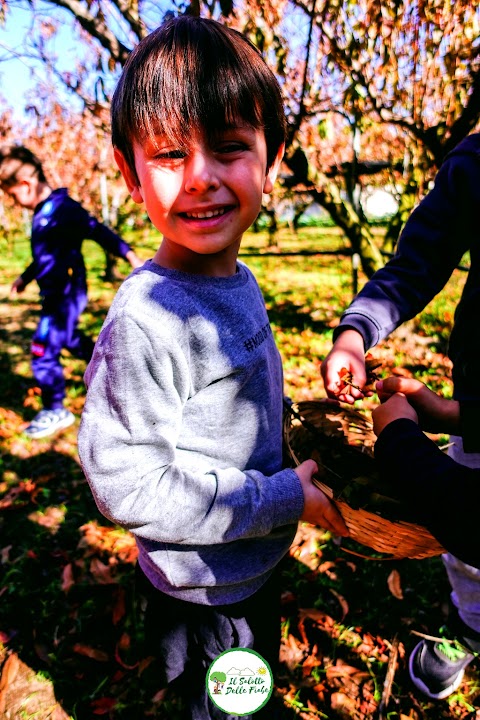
{"points": [[181, 436]]}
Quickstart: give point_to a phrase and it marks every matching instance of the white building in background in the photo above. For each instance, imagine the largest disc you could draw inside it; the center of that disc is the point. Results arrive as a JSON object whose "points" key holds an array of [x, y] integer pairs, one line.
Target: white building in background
{"points": [[379, 203]]}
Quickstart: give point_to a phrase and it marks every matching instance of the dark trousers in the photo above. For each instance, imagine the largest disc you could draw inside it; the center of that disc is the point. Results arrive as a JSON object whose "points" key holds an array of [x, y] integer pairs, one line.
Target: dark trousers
{"points": [[57, 329], [186, 638]]}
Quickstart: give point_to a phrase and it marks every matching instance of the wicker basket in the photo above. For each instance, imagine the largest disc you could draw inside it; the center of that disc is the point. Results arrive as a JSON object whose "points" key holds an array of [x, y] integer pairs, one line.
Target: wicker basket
{"points": [[342, 437]]}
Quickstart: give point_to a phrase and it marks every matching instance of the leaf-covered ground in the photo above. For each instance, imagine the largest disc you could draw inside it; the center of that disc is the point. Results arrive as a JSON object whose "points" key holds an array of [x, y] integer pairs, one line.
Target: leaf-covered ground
{"points": [[70, 624]]}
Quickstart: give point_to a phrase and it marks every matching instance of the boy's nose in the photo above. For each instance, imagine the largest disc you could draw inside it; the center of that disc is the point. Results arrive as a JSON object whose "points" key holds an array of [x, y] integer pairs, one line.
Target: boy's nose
{"points": [[200, 172]]}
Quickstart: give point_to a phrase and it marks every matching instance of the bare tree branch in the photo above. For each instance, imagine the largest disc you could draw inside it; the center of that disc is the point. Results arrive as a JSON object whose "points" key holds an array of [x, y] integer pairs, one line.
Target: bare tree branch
{"points": [[97, 28]]}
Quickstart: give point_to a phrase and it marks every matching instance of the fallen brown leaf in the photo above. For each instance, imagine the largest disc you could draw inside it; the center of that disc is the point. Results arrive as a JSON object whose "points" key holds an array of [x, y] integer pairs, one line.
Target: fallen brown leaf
{"points": [[343, 704], [90, 652], [394, 584], [292, 652], [51, 518], [9, 670], [67, 577], [124, 644], [119, 609], [342, 601], [101, 572], [311, 661], [9, 673], [103, 706]]}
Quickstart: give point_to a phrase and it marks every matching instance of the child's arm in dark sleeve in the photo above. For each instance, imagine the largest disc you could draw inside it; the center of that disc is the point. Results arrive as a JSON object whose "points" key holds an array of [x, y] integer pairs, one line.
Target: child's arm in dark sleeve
{"points": [[30, 273], [442, 490], [432, 243], [469, 414], [107, 239]]}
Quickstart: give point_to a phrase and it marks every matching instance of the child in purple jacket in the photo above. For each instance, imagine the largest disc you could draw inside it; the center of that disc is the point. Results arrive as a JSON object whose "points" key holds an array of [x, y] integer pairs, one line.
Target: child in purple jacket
{"points": [[59, 226]]}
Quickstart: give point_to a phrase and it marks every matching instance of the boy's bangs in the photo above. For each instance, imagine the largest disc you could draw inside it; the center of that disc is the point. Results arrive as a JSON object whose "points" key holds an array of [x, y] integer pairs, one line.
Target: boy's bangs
{"points": [[194, 94], [194, 75]]}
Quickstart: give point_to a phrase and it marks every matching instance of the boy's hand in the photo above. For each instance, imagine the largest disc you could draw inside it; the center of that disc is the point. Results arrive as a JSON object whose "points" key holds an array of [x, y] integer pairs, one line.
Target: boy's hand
{"points": [[18, 286], [435, 414], [133, 259], [318, 508], [347, 354], [396, 407]]}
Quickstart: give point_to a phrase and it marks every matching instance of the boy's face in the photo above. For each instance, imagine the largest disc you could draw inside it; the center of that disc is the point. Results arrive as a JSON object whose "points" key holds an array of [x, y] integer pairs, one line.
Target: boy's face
{"points": [[23, 188], [202, 200], [20, 193]]}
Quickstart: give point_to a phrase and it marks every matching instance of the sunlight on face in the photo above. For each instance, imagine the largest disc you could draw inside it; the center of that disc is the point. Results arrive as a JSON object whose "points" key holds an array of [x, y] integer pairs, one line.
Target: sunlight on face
{"points": [[204, 197]]}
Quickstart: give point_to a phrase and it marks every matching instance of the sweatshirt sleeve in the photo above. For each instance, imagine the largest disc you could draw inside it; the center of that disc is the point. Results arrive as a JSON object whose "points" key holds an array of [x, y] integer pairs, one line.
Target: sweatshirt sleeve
{"points": [[106, 238], [129, 441], [442, 491], [434, 239]]}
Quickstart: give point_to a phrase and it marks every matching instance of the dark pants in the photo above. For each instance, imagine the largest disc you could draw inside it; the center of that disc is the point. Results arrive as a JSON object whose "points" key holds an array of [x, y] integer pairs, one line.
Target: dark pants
{"points": [[57, 329], [187, 637]]}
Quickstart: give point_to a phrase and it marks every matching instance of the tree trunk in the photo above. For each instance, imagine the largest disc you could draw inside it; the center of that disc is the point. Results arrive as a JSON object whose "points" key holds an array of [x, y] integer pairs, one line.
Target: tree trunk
{"points": [[395, 226], [358, 233], [111, 274]]}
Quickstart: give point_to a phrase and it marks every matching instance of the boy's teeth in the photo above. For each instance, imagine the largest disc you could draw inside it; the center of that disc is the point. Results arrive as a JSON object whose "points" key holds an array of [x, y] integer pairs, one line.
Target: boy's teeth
{"points": [[206, 214]]}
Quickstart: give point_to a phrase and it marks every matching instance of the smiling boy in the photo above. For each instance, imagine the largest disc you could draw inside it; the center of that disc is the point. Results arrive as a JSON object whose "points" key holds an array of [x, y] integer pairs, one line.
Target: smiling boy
{"points": [[181, 437]]}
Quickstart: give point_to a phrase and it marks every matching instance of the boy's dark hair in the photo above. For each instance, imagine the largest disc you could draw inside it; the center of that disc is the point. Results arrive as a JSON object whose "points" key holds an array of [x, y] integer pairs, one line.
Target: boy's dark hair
{"points": [[12, 159], [193, 73]]}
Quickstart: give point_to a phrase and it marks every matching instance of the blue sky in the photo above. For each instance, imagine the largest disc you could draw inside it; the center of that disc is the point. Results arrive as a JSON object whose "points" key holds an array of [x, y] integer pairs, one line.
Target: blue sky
{"points": [[15, 77], [18, 75]]}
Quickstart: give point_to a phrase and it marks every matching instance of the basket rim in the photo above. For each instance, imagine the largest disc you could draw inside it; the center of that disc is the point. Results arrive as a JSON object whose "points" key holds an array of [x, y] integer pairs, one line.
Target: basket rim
{"points": [[397, 538]]}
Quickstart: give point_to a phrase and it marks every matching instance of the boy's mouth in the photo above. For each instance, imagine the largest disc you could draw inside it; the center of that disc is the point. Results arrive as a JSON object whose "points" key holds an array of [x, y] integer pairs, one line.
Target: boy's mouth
{"points": [[205, 214]]}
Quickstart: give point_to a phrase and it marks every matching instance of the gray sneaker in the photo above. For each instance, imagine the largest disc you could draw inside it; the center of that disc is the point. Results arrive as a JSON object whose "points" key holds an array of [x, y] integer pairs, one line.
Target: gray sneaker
{"points": [[437, 666], [48, 422]]}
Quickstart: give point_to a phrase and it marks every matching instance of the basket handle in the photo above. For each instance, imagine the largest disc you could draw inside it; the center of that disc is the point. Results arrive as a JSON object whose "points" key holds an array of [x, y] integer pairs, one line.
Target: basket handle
{"points": [[367, 557]]}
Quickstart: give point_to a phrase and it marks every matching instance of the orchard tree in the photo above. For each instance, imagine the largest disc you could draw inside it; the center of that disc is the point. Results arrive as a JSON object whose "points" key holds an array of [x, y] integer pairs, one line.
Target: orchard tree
{"points": [[404, 72], [376, 92], [9, 216]]}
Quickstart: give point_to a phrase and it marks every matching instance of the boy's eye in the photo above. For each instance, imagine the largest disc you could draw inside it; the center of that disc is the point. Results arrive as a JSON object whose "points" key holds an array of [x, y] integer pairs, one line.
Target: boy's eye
{"points": [[231, 147], [170, 155]]}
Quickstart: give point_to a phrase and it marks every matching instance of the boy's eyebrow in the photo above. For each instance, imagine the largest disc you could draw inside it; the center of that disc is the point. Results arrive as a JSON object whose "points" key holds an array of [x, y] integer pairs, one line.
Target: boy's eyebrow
{"points": [[236, 128], [238, 125]]}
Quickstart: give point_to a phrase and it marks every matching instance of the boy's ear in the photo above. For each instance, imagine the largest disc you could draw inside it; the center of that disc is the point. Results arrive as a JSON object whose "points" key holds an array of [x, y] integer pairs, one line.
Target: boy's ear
{"points": [[129, 176], [273, 170]]}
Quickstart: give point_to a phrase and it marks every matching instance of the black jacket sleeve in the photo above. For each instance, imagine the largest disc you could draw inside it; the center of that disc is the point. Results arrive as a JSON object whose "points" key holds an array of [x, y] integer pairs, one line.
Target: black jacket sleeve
{"points": [[469, 414], [442, 491]]}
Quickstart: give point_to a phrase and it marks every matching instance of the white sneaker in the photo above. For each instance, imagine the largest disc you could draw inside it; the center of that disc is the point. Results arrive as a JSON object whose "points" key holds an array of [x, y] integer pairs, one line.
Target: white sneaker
{"points": [[48, 422]]}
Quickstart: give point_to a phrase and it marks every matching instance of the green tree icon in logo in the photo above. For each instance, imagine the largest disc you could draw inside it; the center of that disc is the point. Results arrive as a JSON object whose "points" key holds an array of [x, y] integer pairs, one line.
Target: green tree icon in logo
{"points": [[219, 678]]}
